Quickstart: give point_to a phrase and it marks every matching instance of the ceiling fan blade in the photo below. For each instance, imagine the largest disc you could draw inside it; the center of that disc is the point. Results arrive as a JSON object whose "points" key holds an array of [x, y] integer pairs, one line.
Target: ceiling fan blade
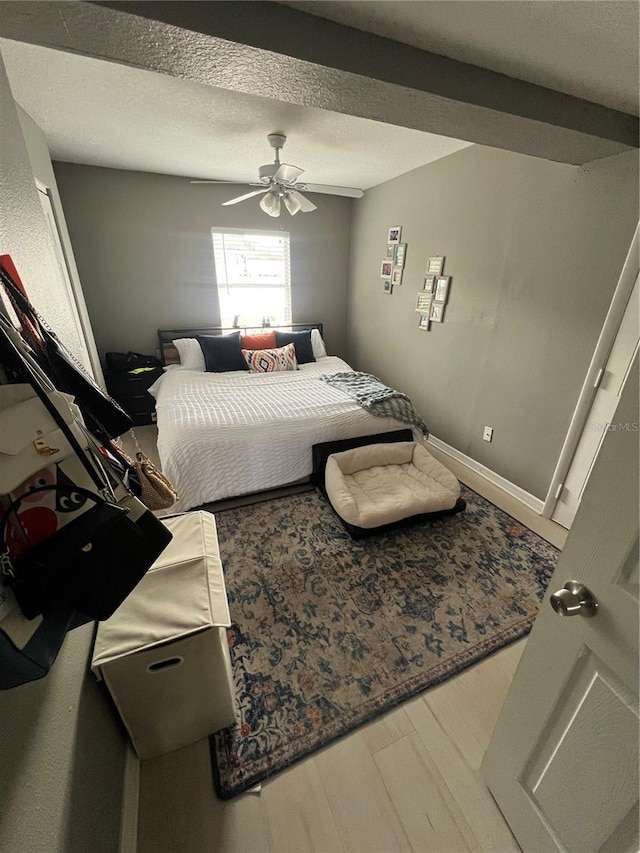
{"points": [[303, 203], [287, 173], [217, 182], [243, 197], [350, 192]]}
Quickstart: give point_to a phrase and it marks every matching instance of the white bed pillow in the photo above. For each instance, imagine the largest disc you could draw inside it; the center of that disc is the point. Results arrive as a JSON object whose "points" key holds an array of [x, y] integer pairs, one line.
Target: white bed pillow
{"points": [[317, 344], [190, 352]]}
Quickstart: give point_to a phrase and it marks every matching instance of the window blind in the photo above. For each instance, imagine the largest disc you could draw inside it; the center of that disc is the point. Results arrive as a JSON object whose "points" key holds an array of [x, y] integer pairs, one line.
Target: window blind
{"points": [[253, 276]]}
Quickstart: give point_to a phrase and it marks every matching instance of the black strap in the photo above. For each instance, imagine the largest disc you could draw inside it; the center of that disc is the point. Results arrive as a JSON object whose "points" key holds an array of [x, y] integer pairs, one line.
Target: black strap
{"points": [[34, 380]]}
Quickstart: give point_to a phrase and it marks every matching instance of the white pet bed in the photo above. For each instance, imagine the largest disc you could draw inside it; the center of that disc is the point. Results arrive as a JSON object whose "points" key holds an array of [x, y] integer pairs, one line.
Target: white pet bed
{"points": [[382, 484]]}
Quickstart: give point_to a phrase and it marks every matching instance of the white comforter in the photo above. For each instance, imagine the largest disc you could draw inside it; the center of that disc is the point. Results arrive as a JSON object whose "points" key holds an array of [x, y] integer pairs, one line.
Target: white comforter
{"points": [[225, 434]]}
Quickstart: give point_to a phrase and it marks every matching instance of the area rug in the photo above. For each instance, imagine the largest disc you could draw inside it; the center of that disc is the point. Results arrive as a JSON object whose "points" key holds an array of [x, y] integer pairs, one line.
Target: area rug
{"points": [[329, 633]]}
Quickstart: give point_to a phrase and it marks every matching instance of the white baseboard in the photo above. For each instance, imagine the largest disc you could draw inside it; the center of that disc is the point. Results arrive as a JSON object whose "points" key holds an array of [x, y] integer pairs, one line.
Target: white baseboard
{"points": [[510, 488], [130, 803]]}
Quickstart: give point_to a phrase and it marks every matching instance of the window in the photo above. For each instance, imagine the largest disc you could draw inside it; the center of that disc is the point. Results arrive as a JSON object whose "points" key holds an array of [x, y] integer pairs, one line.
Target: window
{"points": [[253, 276]]}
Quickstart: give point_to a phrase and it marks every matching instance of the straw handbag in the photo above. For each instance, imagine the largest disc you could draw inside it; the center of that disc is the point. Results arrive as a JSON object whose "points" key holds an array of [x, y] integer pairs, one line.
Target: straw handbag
{"points": [[156, 492]]}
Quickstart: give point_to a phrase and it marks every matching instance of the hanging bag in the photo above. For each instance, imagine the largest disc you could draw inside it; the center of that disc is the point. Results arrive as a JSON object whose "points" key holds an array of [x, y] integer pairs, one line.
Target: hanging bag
{"points": [[93, 562], [156, 491], [85, 565], [145, 480], [29, 437]]}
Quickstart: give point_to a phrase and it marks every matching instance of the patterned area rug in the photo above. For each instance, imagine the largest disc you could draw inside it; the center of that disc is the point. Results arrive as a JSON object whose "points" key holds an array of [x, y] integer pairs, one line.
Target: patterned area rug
{"points": [[329, 633]]}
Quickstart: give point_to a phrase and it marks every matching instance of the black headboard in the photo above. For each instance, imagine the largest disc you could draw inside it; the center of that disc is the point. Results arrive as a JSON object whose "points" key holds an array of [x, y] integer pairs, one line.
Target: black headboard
{"points": [[169, 354]]}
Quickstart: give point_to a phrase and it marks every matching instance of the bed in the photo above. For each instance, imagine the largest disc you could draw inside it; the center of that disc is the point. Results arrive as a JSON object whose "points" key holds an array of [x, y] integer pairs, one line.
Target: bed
{"points": [[222, 435]]}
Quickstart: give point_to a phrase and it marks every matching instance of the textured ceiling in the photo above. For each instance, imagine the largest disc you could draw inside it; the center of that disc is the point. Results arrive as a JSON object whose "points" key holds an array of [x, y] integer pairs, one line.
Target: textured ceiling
{"points": [[586, 48], [105, 114], [115, 115]]}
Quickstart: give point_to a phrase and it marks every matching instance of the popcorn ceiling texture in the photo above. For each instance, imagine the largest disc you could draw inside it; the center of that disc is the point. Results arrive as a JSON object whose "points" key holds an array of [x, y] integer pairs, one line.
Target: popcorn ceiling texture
{"points": [[200, 131], [335, 78]]}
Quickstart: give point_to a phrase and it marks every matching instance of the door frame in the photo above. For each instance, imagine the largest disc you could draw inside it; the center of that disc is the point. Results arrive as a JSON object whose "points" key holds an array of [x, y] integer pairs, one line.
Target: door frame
{"points": [[595, 372], [71, 282]]}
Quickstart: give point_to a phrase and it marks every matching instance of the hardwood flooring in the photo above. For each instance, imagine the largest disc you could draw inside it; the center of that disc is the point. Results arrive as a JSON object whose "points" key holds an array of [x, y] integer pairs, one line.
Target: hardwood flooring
{"points": [[408, 781]]}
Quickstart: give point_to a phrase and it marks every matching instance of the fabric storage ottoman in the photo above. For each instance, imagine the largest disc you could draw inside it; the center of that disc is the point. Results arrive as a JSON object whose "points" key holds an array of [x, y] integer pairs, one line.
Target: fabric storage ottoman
{"points": [[164, 654]]}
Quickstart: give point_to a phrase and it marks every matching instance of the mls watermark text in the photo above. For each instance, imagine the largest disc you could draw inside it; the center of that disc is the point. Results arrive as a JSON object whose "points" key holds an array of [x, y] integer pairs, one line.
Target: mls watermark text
{"points": [[629, 426]]}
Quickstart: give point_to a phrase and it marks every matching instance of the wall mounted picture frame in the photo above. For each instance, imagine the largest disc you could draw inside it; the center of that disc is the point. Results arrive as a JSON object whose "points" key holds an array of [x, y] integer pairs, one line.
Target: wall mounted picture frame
{"points": [[423, 302], [424, 323], [442, 288], [386, 269], [435, 265], [396, 278], [387, 286], [401, 253], [429, 283], [394, 234], [437, 312], [391, 250]]}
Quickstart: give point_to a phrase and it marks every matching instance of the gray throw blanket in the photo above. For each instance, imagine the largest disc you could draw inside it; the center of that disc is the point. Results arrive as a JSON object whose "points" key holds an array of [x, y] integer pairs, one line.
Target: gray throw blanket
{"points": [[376, 398]]}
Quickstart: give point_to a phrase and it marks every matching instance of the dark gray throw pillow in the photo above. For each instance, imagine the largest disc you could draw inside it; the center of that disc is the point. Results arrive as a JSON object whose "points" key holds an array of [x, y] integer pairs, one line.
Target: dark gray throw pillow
{"points": [[302, 343], [222, 353]]}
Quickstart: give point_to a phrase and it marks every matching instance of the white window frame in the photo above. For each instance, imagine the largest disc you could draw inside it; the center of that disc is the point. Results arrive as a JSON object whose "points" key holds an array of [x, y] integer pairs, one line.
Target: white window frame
{"points": [[262, 233]]}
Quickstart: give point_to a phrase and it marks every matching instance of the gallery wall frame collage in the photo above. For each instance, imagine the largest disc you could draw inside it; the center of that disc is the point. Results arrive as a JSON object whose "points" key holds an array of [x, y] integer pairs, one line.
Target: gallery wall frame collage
{"points": [[432, 299], [392, 266]]}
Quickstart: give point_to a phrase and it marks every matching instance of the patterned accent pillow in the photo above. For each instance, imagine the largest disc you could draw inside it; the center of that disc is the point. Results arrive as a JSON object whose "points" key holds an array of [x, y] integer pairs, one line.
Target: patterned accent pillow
{"points": [[271, 360]]}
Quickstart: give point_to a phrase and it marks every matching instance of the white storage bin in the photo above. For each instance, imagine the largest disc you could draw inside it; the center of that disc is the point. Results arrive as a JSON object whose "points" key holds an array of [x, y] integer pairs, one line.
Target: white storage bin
{"points": [[164, 653]]}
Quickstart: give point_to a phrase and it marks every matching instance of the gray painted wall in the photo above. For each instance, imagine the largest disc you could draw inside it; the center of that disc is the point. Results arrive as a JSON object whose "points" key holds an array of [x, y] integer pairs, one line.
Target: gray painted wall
{"points": [[534, 250], [61, 751], [143, 247]]}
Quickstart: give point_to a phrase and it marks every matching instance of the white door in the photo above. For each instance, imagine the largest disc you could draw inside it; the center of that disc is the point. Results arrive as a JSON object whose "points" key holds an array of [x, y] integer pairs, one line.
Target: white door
{"points": [[611, 381], [563, 760]]}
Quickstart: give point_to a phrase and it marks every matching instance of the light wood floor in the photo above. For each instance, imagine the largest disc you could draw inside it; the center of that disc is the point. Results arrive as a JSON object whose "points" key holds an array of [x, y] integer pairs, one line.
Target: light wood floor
{"points": [[406, 782], [409, 781]]}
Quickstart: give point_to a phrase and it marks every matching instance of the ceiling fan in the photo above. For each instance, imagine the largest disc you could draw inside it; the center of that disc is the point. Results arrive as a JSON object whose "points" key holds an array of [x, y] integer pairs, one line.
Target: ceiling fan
{"points": [[277, 182]]}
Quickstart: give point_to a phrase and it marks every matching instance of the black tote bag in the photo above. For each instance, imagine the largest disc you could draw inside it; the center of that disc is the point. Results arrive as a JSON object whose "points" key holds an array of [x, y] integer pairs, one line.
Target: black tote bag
{"points": [[92, 563]]}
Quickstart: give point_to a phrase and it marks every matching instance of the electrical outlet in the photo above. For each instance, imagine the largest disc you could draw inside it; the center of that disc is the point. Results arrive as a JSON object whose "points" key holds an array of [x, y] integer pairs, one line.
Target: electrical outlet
{"points": [[487, 435]]}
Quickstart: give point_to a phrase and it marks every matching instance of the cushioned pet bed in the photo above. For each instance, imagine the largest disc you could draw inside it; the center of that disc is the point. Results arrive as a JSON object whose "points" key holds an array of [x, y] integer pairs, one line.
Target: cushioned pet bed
{"points": [[226, 434]]}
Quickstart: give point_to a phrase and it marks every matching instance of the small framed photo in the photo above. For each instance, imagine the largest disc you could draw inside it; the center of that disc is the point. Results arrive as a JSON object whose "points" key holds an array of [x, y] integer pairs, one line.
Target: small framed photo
{"points": [[386, 269], [442, 288], [394, 234], [424, 322], [423, 302], [437, 312], [396, 278], [401, 253], [435, 265], [429, 283], [387, 286], [391, 250]]}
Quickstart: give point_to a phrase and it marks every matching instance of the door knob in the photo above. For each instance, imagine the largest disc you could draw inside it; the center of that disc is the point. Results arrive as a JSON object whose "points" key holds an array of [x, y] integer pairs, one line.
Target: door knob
{"points": [[574, 599]]}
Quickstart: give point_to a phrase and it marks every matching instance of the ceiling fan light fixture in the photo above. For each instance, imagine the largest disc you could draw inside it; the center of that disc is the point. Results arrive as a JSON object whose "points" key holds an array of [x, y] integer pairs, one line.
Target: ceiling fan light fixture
{"points": [[278, 181], [270, 203]]}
